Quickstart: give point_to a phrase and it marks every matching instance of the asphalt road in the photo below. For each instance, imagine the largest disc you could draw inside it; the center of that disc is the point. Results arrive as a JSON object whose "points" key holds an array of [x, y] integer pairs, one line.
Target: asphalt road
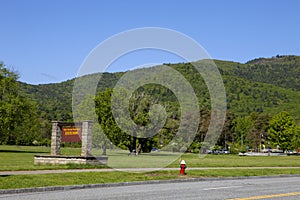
{"points": [[253, 188]]}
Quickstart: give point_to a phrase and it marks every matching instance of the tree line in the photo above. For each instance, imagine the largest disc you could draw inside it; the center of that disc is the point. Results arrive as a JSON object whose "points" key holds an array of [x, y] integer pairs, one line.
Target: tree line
{"points": [[255, 132]]}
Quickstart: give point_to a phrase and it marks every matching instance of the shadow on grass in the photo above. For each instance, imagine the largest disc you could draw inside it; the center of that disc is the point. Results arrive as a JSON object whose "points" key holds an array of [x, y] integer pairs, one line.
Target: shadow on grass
{"points": [[85, 166], [4, 175], [163, 154], [150, 154], [21, 151]]}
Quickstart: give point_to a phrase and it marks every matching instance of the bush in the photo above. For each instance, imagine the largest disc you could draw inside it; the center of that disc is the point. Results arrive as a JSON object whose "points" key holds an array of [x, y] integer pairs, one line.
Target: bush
{"points": [[71, 144], [45, 142]]}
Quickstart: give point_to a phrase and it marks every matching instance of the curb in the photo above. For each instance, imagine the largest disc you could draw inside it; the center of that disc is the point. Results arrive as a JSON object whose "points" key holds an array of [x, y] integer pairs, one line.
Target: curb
{"points": [[103, 185]]}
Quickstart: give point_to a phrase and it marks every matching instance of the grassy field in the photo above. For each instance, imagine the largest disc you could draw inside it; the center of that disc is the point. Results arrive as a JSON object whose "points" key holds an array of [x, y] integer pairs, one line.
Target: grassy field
{"points": [[163, 159], [21, 158], [241, 161]]}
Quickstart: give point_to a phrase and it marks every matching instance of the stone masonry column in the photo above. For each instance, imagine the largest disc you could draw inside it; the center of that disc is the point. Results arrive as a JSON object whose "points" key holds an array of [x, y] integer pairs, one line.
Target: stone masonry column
{"points": [[86, 138], [55, 139]]}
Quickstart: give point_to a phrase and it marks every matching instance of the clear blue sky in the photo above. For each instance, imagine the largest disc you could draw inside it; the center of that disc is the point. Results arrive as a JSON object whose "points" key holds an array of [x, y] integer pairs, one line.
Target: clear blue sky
{"points": [[47, 40]]}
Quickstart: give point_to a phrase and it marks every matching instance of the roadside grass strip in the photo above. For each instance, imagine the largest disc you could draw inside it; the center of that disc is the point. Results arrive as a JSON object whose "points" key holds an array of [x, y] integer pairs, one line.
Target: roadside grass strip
{"points": [[80, 178]]}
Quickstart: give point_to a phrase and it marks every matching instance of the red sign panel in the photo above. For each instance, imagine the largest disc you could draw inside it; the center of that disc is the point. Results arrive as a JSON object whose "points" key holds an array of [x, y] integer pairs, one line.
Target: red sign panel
{"points": [[71, 134]]}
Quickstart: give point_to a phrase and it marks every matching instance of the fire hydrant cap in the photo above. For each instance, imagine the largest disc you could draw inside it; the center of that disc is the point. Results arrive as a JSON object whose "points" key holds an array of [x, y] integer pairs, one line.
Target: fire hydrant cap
{"points": [[182, 162]]}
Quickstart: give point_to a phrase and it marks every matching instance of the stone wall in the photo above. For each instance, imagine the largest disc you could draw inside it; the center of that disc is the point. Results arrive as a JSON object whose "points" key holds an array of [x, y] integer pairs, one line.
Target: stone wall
{"points": [[62, 160]]}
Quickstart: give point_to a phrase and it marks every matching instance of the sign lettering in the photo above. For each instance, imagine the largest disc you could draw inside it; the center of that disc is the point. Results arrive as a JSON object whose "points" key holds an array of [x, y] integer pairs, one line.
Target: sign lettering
{"points": [[71, 134]]}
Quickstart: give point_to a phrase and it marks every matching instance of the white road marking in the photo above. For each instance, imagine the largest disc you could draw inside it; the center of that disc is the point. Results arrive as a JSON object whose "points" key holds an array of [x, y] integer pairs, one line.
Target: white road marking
{"points": [[219, 188]]}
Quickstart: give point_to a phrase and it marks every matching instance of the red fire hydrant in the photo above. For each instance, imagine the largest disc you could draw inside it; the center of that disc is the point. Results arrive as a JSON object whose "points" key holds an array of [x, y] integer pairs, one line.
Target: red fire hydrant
{"points": [[182, 167]]}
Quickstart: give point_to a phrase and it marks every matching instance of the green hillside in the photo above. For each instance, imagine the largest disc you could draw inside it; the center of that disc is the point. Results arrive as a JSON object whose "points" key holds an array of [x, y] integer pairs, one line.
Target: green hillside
{"points": [[283, 71], [247, 92], [261, 85]]}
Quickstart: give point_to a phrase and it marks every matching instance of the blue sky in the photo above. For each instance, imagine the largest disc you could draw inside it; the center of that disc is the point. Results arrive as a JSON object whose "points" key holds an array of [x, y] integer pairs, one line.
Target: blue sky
{"points": [[47, 41]]}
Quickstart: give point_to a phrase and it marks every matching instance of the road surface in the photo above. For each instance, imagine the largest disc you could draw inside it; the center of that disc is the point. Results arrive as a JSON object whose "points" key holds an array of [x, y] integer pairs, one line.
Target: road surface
{"points": [[252, 188]]}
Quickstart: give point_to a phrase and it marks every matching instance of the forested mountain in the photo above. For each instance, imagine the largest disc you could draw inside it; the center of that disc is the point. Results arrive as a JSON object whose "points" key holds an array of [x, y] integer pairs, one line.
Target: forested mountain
{"points": [[265, 85], [283, 71], [261, 85], [55, 100], [251, 89]]}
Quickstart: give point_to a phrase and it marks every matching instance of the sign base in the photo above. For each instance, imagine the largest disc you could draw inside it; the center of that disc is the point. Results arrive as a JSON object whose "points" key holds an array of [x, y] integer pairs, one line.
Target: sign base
{"points": [[63, 160]]}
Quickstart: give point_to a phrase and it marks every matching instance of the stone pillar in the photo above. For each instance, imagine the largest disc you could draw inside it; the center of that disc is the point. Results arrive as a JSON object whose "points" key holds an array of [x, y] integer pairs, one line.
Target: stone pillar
{"points": [[86, 138], [55, 139]]}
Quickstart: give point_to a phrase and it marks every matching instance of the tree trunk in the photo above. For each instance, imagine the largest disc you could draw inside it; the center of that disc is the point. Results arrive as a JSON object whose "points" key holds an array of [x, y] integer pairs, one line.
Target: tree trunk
{"points": [[104, 149]]}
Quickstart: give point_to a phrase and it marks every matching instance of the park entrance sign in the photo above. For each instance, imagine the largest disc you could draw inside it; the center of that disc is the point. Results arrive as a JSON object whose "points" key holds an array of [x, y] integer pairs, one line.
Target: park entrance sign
{"points": [[71, 132]]}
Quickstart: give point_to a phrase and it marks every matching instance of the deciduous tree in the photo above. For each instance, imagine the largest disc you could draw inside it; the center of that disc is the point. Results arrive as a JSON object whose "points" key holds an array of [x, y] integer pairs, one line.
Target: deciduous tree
{"points": [[18, 114], [281, 129]]}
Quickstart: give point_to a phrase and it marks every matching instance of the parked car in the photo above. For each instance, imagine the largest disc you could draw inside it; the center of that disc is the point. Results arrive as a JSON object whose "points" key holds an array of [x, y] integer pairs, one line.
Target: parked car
{"points": [[290, 152], [225, 151], [208, 151], [222, 151], [154, 149]]}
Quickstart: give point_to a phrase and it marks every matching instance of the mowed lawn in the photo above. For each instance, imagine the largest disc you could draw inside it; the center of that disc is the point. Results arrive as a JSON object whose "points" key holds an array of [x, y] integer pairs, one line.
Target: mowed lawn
{"points": [[80, 178], [21, 158], [241, 161]]}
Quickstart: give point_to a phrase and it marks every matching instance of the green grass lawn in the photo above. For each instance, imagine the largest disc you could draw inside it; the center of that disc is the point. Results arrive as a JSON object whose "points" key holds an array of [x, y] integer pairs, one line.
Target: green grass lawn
{"points": [[118, 159], [240, 161], [43, 180], [21, 158]]}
